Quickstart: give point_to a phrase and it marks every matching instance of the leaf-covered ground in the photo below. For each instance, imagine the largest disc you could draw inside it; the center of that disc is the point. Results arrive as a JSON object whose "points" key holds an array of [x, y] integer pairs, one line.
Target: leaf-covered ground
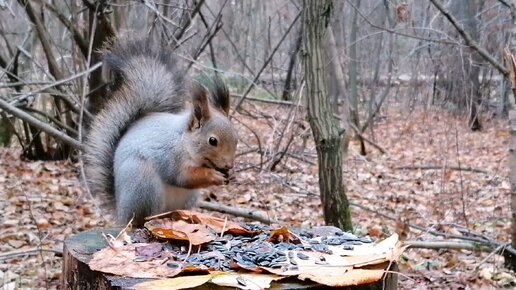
{"points": [[43, 202]]}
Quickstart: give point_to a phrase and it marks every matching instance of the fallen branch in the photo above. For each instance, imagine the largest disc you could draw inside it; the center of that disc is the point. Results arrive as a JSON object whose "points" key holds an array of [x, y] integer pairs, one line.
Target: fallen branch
{"points": [[269, 101], [367, 139], [31, 251], [490, 243], [241, 212], [39, 124], [437, 167], [437, 245]]}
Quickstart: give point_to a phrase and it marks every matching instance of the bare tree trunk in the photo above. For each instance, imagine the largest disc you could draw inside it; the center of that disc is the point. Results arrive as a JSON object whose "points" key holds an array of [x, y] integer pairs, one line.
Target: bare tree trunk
{"points": [[291, 64], [337, 82], [472, 7], [100, 25], [325, 128], [510, 260], [353, 76]]}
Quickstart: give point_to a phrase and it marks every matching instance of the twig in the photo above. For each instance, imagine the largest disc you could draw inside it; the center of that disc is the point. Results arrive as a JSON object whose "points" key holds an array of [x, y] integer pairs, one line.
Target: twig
{"points": [[394, 31], [15, 84], [270, 101], [39, 248], [436, 167], [185, 22], [69, 129], [31, 251], [498, 249], [81, 120], [367, 139], [241, 212], [57, 83], [437, 245]]}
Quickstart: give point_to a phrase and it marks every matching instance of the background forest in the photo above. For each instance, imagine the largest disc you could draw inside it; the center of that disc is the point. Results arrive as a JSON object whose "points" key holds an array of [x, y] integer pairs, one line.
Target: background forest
{"points": [[422, 89]]}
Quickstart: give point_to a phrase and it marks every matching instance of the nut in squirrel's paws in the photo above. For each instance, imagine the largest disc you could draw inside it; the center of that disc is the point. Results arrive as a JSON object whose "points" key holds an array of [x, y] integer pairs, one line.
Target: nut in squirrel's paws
{"points": [[227, 174], [218, 178]]}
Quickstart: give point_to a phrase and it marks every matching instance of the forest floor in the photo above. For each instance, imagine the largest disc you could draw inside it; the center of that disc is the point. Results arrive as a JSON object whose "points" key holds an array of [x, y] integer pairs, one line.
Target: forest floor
{"points": [[43, 202]]}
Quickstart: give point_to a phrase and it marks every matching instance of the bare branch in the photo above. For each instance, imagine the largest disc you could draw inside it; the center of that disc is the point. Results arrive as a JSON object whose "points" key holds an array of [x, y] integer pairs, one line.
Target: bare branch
{"points": [[39, 124], [250, 87], [437, 167], [241, 212], [57, 83], [77, 35], [469, 40]]}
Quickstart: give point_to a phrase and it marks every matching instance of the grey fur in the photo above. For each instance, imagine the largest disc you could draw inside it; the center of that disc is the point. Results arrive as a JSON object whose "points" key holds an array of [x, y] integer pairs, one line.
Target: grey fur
{"points": [[141, 140], [146, 80], [146, 165]]}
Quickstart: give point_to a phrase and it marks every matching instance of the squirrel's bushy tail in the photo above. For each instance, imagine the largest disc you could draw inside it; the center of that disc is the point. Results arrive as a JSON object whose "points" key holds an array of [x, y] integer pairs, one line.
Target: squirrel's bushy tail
{"points": [[147, 78]]}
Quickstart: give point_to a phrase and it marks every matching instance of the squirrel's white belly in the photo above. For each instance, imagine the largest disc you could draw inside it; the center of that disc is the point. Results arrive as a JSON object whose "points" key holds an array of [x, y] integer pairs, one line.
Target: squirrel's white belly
{"points": [[179, 198]]}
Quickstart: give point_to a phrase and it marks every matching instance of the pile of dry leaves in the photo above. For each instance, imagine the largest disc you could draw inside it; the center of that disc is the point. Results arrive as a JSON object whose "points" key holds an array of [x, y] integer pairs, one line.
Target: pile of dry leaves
{"points": [[244, 256]]}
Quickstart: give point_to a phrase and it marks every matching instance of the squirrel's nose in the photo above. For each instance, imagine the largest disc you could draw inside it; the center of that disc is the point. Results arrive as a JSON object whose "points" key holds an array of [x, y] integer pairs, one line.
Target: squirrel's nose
{"points": [[228, 166]]}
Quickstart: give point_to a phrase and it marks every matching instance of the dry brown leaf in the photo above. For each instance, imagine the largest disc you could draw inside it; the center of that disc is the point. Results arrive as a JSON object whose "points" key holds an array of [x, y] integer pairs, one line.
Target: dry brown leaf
{"points": [[351, 277], [217, 224], [122, 261], [196, 234], [175, 283]]}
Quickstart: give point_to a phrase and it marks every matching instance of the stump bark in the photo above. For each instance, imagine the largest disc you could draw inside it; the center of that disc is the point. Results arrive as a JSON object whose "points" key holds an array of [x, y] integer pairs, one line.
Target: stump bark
{"points": [[79, 249]]}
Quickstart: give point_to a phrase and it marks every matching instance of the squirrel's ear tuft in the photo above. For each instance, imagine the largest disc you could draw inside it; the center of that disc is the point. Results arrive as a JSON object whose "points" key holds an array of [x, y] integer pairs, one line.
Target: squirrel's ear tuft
{"points": [[201, 110], [220, 95]]}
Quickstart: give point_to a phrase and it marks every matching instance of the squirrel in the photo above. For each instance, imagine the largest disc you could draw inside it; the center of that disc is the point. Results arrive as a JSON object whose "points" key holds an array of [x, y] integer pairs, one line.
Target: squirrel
{"points": [[158, 138]]}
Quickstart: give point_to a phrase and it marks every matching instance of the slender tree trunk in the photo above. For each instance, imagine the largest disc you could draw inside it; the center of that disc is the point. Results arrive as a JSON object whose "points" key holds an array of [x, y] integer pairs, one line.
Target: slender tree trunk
{"points": [[291, 64], [353, 77], [337, 81], [510, 260], [472, 7], [325, 128]]}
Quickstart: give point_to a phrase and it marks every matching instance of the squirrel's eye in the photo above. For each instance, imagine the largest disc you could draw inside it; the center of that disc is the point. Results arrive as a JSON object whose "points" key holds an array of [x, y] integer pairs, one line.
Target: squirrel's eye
{"points": [[213, 141]]}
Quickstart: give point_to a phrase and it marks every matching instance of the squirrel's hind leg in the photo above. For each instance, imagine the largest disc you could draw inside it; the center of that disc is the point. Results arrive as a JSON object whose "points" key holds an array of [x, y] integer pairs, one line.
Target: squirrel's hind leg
{"points": [[138, 190]]}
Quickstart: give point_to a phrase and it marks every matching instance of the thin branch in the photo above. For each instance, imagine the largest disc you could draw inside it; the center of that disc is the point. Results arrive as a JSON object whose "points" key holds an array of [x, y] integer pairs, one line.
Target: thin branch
{"points": [[489, 242], [241, 212], [357, 131], [250, 87], [469, 40], [69, 129], [44, 38], [22, 83], [77, 35], [185, 22], [437, 245], [39, 124], [26, 252], [394, 31], [269, 101], [57, 83], [436, 167]]}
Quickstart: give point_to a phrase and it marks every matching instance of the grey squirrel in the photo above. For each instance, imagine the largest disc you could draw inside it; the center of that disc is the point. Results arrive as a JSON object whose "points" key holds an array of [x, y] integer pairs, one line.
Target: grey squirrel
{"points": [[159, 137]]}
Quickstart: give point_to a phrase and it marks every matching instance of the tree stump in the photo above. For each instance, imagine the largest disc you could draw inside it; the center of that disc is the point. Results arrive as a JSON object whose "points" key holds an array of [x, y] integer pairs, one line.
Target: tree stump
{"points": [[79, 249]]}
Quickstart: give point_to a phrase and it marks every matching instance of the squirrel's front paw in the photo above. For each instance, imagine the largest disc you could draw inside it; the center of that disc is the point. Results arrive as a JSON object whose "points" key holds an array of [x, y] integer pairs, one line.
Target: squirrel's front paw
{"points": [[218, 178]]}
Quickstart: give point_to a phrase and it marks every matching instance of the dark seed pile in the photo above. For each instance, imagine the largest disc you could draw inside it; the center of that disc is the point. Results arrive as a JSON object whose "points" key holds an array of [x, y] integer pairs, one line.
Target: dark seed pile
{"points": [[232, 252]]}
